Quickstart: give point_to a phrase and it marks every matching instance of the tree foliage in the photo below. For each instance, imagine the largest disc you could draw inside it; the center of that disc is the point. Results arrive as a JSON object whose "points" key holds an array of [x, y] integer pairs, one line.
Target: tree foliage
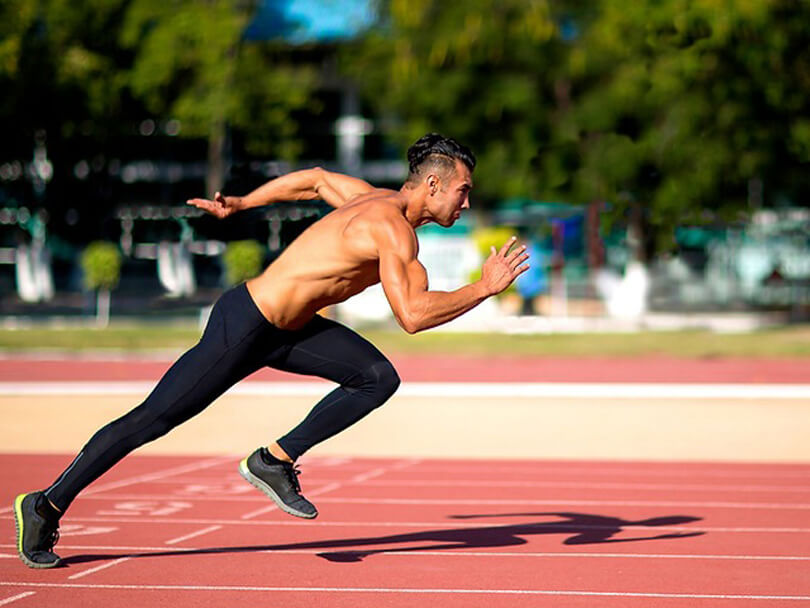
{"points": [[477, 71], [243, 260], [681, 108], [59, 66], [678, 109], [192, 64], [101, 265]]}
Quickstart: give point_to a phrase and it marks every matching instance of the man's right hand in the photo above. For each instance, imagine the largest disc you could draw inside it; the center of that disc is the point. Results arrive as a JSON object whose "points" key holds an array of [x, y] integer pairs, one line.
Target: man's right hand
{"points": [[504, 266], [221, 206]]}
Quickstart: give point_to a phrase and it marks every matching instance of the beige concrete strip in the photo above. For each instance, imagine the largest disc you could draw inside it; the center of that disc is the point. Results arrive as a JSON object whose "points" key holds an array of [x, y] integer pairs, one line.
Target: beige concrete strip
{"points": [[758, 430]]}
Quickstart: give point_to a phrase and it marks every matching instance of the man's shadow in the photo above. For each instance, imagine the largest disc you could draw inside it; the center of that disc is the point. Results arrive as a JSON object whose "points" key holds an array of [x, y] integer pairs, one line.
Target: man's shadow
{"points": [[580, 528]]}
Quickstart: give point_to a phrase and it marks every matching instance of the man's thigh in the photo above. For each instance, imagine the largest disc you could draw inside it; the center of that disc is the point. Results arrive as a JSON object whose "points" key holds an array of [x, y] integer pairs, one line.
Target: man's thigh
{"points": [[327, 349]]}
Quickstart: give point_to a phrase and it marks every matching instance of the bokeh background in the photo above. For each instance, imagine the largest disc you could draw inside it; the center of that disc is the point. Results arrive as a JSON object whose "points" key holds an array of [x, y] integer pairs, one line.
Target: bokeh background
{"points": [[654, 155]]}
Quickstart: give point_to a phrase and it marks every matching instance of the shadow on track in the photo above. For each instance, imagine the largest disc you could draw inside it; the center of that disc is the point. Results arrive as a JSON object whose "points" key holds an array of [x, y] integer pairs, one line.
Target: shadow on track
{"points": [[580, 529]]}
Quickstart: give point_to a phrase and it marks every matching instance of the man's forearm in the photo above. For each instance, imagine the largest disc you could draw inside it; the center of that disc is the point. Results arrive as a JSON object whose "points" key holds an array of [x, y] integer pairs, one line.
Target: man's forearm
{"points": [[295, 186], [436, 307]]}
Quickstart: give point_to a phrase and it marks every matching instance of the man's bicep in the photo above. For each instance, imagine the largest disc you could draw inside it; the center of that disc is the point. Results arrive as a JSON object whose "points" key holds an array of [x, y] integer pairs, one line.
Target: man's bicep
{"points": [[403, 279]]}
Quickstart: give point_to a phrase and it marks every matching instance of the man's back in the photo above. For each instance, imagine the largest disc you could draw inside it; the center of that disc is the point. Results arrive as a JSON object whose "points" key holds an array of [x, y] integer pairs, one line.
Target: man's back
{"points": [[332, 260]]}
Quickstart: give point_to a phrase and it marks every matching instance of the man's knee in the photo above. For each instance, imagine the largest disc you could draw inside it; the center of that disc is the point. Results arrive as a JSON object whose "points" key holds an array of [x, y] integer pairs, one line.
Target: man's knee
{"points": [[387, 379], [379, 381]]}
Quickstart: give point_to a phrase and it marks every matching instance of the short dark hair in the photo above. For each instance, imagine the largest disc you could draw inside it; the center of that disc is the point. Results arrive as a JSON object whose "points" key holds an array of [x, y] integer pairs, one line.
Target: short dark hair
{"points": [[439, 151]]}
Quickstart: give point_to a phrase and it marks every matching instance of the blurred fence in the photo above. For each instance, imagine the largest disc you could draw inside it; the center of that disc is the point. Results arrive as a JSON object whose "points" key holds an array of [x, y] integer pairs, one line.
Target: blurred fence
{"points": [[762, 265]]}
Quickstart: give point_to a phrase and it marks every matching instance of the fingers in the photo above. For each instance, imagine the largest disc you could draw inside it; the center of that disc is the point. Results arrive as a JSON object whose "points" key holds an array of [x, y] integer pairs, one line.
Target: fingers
{"points": [[208, 206], [517, 261], [507, 246], [513, 255]]}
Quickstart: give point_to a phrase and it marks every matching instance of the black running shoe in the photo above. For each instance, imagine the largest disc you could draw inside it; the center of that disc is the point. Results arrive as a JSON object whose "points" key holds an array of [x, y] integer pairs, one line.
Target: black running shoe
{"points": [[279, 482], [36, 534]]}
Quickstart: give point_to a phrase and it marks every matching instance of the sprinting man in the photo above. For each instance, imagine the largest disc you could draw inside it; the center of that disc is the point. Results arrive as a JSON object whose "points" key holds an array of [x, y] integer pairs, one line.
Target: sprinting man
{"points": [[271, 321]]}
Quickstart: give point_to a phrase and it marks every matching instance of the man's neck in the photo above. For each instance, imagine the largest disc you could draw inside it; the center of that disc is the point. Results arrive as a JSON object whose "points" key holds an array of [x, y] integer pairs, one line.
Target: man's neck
{"points": [[414, 208]]}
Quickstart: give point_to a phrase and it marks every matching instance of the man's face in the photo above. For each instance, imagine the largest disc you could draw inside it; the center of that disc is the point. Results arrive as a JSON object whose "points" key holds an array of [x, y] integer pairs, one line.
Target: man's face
{"points": [[452, 196]]}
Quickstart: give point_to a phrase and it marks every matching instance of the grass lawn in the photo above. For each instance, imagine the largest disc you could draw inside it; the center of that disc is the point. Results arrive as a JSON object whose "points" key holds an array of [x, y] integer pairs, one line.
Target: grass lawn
{"points": [[791, 341]]}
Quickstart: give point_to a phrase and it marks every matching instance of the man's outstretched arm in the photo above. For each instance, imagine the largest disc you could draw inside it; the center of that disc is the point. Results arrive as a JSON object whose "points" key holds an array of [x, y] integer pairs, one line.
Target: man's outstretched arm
{"points": [[415, 308], [335, 189]]}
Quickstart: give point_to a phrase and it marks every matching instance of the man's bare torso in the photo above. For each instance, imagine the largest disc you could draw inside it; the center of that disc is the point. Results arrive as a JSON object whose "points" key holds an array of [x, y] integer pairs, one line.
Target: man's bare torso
{"points": [[332, 260]]}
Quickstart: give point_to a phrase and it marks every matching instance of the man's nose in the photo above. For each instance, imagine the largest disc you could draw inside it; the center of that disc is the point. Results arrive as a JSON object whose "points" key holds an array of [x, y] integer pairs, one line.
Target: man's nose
{"points": [[466, 203]]}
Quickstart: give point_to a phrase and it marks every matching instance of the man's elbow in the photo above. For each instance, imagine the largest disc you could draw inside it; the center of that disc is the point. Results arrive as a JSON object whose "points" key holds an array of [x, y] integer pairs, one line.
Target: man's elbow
{"points": [[409, 323]]}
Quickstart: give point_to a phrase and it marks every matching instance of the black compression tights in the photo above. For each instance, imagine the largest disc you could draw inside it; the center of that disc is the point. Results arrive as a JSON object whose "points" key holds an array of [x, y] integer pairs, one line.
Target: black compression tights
{"points": [[237, 341]]}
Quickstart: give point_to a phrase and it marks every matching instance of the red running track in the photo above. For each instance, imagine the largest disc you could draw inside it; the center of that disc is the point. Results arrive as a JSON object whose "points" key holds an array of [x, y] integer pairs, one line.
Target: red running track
{"points": [[182, 532], [20, 368]]}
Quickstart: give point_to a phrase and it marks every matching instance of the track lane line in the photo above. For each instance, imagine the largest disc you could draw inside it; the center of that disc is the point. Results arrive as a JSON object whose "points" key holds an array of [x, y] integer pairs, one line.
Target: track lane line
{"points": [[411, 590], [434, 524], [644, 469], [578, 390], [482, 501], [460, 553], [191, 535], [84, 573], [462, 483], [9, 600]]}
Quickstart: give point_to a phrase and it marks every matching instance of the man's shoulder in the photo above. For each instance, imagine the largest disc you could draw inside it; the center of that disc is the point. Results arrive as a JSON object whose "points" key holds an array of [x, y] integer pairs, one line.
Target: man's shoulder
{"points": [[382, 217], [381, 206]]}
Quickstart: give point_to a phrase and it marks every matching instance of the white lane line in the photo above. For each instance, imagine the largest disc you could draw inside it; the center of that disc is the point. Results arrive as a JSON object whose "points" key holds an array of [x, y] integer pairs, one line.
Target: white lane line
{"points": [[563, 501], [364, 477], [145, 478], [461, 553], [443, 525], [487, 501], [452, 389], [14, 598], [266, 509], [587, 485], [180, 539], [226, 486], [115, 562], [700, 596], [599, 469]]}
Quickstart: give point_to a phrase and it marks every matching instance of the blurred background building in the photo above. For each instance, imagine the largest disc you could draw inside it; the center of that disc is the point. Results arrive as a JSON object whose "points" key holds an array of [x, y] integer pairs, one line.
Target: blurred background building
{"points": [[655, 157]]}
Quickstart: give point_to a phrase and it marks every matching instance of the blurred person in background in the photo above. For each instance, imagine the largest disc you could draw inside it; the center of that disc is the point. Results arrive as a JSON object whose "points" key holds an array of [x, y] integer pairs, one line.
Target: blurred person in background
{"points": [[271, 321]]}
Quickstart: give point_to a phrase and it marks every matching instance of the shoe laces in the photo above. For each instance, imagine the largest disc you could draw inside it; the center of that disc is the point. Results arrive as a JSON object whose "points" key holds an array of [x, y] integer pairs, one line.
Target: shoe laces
{"points": [[53, 538], [292, 475]]}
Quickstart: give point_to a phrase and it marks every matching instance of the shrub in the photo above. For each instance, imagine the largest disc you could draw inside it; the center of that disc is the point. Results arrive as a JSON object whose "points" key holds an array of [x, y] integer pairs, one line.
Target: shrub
{"points": [[243, 261], [101, 264]]}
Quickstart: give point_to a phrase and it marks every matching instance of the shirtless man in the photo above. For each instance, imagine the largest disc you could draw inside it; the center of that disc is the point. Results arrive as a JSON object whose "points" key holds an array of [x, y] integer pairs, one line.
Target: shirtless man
{"points": [[271, 321]]}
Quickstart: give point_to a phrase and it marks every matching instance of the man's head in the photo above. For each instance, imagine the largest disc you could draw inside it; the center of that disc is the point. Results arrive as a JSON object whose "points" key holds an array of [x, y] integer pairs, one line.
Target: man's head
{"points": [[443, 167]]}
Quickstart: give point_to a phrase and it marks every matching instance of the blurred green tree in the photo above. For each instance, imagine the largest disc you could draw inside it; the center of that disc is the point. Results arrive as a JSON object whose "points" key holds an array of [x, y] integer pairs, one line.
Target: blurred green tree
{"points": [[675, 111], [59, 72], [682, 111], [243, 260], [193, 65], [480, 71], [101, 265]]}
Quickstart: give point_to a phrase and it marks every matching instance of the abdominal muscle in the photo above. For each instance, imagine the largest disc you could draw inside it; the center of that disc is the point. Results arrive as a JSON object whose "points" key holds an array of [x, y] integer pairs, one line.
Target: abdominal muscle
{"points": [[290, 303]]}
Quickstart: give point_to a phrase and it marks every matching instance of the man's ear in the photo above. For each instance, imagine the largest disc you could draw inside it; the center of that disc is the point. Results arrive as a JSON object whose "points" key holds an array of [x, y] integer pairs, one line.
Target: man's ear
{"points": [[433, 183]]}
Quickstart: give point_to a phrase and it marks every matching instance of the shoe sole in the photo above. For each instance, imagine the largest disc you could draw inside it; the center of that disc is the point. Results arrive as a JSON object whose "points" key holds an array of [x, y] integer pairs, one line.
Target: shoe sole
{"points": [[18, 524], [269, 492]]}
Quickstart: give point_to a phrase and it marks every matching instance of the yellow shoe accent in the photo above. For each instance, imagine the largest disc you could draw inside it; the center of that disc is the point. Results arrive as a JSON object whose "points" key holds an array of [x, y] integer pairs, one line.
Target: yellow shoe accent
{"points": [[19, 521]]}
